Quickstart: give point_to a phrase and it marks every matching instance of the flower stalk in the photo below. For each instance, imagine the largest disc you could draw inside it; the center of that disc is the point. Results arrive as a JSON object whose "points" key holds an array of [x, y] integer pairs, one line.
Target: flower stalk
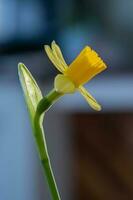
{"points": [[44, 104]]}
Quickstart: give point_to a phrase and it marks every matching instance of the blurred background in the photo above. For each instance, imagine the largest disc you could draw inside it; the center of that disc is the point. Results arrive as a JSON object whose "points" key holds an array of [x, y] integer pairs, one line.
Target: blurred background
{"points": [[91, 153]]}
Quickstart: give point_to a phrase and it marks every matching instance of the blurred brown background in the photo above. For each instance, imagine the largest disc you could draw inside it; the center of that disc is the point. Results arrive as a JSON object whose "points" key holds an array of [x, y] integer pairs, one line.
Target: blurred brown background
{"points": [[91, 152], [103, 156]]}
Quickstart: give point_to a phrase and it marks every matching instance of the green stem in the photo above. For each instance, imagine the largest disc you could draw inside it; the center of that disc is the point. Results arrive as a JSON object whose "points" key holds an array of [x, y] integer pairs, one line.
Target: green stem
{"points": [[42, 107]]}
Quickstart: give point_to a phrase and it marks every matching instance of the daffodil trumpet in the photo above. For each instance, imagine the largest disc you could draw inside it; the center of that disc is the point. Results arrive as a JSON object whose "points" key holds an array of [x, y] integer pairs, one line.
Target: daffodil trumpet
{"points": [[70, 79]]}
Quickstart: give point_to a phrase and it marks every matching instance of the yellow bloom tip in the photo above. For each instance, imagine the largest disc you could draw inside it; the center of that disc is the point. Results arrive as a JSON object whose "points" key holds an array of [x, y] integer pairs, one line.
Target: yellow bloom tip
{"points": [[99, 108], [86, 65]]}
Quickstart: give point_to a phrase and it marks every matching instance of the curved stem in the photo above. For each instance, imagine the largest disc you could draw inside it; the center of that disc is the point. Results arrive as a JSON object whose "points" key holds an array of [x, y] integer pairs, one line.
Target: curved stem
{"points": [[44, 105]]}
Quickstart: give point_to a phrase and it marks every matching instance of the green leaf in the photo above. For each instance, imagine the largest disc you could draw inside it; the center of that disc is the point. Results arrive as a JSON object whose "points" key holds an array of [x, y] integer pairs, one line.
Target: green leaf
{"points": [[32, 92]]}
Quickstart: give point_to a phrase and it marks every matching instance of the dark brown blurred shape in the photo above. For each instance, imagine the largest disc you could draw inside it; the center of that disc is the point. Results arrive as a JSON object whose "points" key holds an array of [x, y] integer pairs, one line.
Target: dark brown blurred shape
{"points": [[103, 164]]}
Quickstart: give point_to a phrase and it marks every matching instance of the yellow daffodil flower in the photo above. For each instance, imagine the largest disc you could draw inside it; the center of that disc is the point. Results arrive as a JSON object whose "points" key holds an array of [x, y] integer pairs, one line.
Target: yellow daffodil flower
{"points": [[86, 65]]}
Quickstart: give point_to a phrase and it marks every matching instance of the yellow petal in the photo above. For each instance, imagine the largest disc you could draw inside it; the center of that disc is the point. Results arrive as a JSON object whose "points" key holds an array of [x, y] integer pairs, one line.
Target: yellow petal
{"points": [[92, 102], [63, 84], [58, 54], [54, 60]]}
